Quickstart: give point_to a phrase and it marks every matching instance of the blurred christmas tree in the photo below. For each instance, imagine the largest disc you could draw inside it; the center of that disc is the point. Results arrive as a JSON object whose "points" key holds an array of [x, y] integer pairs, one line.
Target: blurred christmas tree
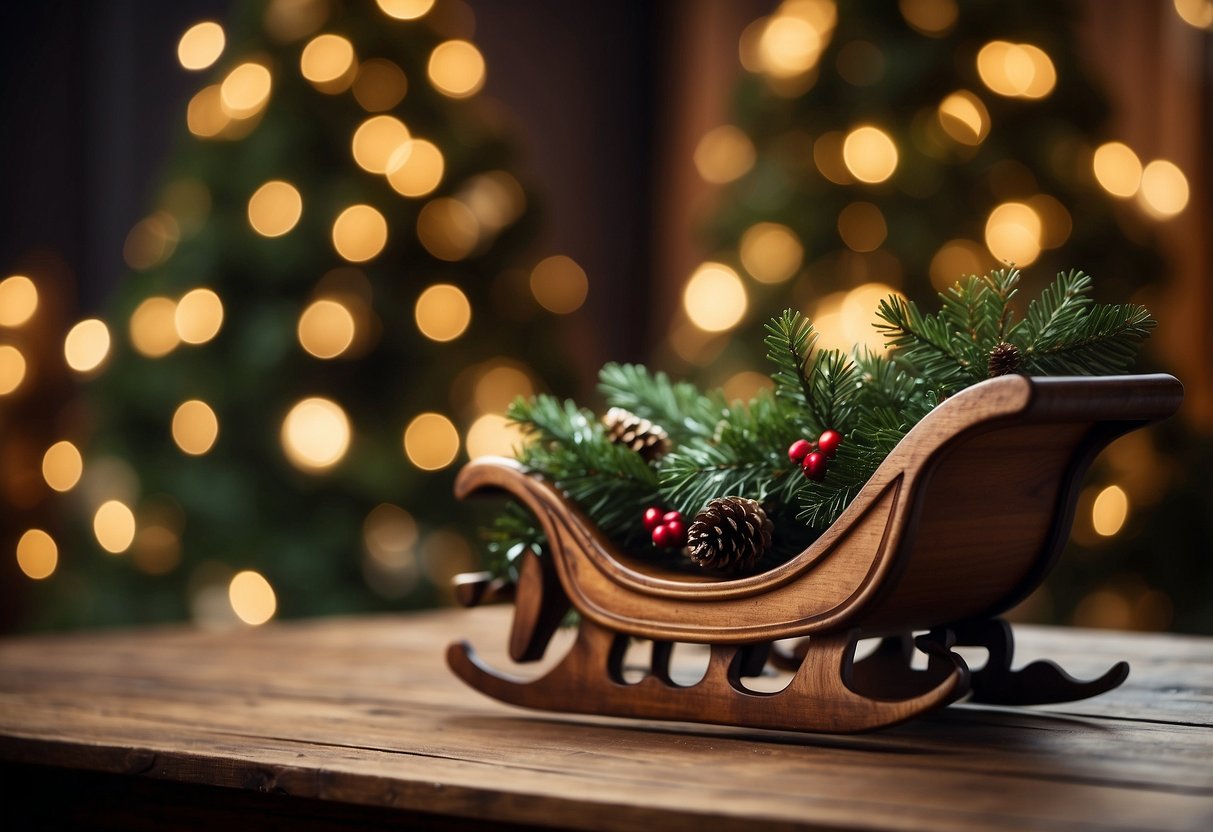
{"points": [[898, 146], [323, 318]]}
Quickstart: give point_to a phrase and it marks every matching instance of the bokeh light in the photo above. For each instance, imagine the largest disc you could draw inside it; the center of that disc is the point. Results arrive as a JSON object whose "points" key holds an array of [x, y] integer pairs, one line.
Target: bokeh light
{"points": [[405, 9], [153, 327], [359, 233], [492, 435], [37, 554], [198, 316], [456, 69], [1016, 70], [315, 434], [495, 199], [62, 466], [447, 229], [745, 385], [862, 226], [1117, 169], [329, 63], [724, 154], [714, 298], [1055, 220], [275, 208], [1014, 233], [114, 526], [957, 259], [1197, 13], [442, 312], [559, 284], [204, 114], [380, 85], [1110, 510], [156, 549], [499, 385], [416, 169], [201, 45], [12, 368], [1164, 189], [870, 154], [195, 427], [964, 117], [18, 300], [87, 345], [771, 252], [376, 142], [827, 156], [326, 328], [252, 598], [933, 18], [245, 90], [151, 241], [431, 441]]}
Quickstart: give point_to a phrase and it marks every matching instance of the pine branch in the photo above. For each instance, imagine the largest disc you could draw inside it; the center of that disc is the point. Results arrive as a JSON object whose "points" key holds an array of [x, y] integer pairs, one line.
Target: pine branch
{"points": [[925, 342], [1103, 342], [679, 408], [833, 390], [790, 341]]}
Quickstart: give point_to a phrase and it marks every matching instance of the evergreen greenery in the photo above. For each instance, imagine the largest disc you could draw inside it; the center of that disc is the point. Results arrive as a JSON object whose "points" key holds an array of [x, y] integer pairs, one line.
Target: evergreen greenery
{"points": [[726, 449]]}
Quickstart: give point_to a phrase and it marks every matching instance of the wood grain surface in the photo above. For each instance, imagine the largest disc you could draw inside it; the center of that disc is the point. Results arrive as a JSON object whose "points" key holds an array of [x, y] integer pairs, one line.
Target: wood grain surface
{"points": [[362, 714]]}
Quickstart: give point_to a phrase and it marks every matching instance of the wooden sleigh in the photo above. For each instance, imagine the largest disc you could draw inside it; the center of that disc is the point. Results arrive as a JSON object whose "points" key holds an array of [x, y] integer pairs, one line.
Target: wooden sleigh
{"points": [[961, 522]]}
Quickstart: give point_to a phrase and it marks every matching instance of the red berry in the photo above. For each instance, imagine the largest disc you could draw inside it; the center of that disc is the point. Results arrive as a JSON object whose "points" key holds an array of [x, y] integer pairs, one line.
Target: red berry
{"points": [[829, 442], [678, 534], [662, 537], [652, 518], [814, 466], [799, 449], [671, 516]]}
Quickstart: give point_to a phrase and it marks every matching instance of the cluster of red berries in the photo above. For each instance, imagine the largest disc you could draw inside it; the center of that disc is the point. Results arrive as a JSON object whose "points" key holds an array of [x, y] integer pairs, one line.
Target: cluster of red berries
{"points": [[813, 457], [666, 527]]}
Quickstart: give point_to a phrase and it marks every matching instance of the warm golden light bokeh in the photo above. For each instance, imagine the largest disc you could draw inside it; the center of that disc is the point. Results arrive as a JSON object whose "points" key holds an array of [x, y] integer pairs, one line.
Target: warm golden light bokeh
{"points": [[416, 168], [456, 69], [1016, 70], [329, 63], [151, 241], [448, 229], [359, 233], [827, 156], [62, 466], [1164, 189], [389, 532], [1196, 13], [245, 90], [195, 427], [431, 441], [18, 300], [1110, 510], [869, 154], [1014, 234], [1117, 169], [725, 153], [559, 284], [12, 368], [964, 117], [198, 316], [714, 298], [492, 435], [500, 385], [405, 9], [204, 115], [771, 252], [957, 259], [326, 328], [275, 208], [87, 345], [933, 18], [114, 526], [442, 312], [862, 226], [252, 598], [201, 45], [37, 554], [153, 327], [377, 141], [379, 85], [315, 434]]}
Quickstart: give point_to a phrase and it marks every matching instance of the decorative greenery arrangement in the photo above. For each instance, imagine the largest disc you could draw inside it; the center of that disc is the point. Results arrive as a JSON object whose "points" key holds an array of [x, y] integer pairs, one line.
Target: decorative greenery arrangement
{"points": [[759, 489]]}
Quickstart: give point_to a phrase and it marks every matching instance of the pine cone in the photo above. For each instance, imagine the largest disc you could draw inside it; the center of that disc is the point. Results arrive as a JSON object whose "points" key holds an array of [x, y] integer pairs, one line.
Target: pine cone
{"points": [[730, 534], [1004, 360], [641, 435]]}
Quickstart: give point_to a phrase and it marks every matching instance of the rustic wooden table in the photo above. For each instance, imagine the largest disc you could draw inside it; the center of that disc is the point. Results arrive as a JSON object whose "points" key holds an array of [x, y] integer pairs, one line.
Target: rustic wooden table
{"points": [[356, 722]]}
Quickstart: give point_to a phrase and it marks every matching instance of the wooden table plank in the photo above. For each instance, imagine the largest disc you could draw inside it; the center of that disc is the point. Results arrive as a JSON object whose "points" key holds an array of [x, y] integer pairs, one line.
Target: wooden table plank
{"points": [[363, 712]]}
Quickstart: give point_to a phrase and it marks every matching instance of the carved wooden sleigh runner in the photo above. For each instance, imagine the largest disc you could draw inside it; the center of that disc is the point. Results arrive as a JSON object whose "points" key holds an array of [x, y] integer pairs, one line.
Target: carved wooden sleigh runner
{"points": [[961, 522]]}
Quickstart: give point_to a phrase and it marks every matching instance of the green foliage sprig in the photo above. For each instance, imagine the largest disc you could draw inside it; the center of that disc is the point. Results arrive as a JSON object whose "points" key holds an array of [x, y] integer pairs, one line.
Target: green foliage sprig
{"points": [[741, 449]]}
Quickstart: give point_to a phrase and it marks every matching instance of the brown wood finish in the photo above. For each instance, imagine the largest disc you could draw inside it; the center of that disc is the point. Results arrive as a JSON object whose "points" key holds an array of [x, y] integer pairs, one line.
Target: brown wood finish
{"points": [[964, 517], [356, 723]]}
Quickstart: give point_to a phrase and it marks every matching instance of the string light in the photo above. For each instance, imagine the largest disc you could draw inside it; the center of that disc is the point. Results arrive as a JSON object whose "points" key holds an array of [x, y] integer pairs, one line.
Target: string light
{"points": [[1197, 13], [380, 85], [204, 115], [201, 45], [326, 328], [827, 156], [494, 198], [1110, 510], [12, 368], [376, 142], [559, 284], [18, 300], [275, 208], [500, 385], [933, 18], [62, 466], [153, 327], [456, 69], [957, 259], [771, 252], [724, 154], [195, 427], [964, 117], [869, 154], [492, 435], [1016, 70], [252, 598], [245, 90], [405, 9], [1117, 169], [328, 63], [714, 298], [1164, 189], [114, 526], [1013, 233], [447, 229], [862, 226], [315, 434], [37, 554], [198, 316], [1056, 222], [87, 345], [416, 168], [442, 312], [431, 441], [359, 233]]}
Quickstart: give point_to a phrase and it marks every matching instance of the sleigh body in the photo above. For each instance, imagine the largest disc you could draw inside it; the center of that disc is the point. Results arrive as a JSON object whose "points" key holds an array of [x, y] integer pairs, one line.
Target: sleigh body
{"points": [[961, 522]]}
